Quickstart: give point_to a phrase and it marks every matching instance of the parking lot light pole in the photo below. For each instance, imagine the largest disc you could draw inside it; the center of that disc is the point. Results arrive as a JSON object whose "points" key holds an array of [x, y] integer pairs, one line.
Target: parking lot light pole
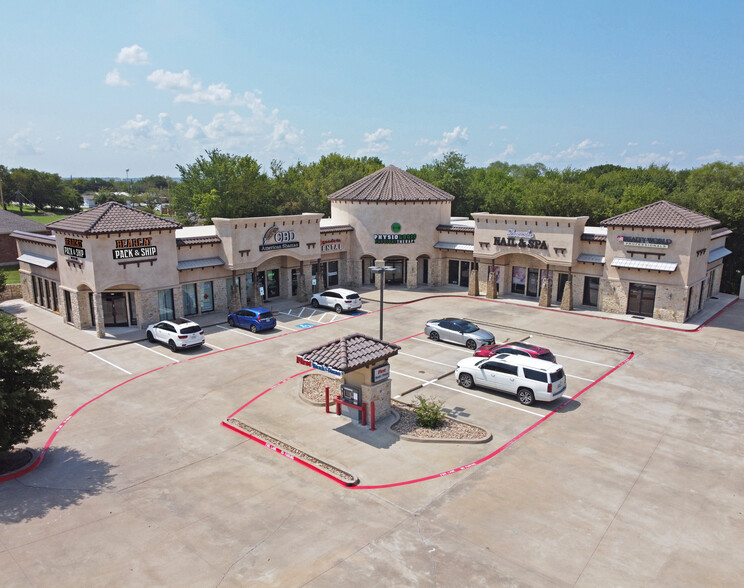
{"points": [[381, 271]]}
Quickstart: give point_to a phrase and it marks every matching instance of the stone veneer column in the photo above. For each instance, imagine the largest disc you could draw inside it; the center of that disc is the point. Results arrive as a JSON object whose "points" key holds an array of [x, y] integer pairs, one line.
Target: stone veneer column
{"points": [[412, 271], [473, 284], [545, 293], [567, 299], [491, 291], [98, 311]]}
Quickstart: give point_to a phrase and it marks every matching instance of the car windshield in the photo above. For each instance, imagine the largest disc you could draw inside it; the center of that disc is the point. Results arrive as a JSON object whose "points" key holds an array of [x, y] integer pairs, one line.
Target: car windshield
{"points": [[191, 329], [265, 315], [466, 326]]}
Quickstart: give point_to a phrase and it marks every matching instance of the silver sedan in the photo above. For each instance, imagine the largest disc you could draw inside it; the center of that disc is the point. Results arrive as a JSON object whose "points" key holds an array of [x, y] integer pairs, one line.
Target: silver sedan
{"points": [[460, 331]]}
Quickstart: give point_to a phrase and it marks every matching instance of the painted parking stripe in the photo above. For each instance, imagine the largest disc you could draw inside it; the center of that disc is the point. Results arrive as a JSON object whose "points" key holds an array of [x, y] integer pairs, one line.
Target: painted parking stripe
{"points": [[112, 364], [579, 378], [435, 383], [158, 352], [445, 345], [424, 359], [286, 327], [585, 361], [240, 332], [213, 346]]}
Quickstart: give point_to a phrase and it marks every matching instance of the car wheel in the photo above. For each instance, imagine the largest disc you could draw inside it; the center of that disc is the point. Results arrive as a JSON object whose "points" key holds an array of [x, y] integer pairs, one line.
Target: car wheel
{"points": [[466, 380], [231, 321], [150, 337], [471, 344], [254, 329], [172, 345], [434, 336], [338, 309], [525, 396], [314, 303]]}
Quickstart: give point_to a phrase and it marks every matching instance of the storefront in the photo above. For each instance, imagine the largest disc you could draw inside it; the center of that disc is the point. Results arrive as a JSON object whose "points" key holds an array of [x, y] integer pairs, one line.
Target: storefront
{"points": [[116, 266]]}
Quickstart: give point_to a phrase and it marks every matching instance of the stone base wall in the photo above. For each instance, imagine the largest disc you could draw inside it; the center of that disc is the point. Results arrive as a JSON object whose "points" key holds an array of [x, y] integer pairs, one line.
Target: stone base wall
{"points": [[12, 291], [380, 395]]}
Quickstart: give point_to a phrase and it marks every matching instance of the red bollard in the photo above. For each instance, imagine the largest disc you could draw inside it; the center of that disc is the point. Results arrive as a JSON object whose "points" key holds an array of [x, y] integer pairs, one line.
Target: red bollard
{"points": [[338, 405], [328, 400], [372, 416]]}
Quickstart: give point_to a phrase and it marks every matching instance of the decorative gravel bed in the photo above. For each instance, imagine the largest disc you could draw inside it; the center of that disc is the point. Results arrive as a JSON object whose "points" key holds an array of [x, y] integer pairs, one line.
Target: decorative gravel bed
{"points": [[314, 385], [293, 451], [450, 429]]}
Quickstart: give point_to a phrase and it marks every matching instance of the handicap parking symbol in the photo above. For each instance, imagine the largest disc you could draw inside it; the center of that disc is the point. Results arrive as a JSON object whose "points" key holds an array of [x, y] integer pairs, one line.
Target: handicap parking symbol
{"points": [[306, 326]]}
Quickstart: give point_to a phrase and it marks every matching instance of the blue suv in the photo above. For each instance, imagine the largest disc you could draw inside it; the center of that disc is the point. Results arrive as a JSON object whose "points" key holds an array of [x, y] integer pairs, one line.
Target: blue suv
{"points": [[255, 319]]}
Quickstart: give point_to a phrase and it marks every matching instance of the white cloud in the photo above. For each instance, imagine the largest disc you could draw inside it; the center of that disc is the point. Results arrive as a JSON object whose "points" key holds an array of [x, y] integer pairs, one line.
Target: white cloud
{"points": [[646, 159], [452, 140], [376, 142], [715, 155], [84, 146], [169, 80], [583, 151], [510, 150], [21, 143], [214, 94], [632, 143], [331, 145], [133, 55], [113, 78]]}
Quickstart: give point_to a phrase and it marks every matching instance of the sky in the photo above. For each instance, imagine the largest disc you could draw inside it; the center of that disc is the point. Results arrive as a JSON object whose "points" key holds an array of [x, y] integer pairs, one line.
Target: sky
{"points": [[131, 89]]}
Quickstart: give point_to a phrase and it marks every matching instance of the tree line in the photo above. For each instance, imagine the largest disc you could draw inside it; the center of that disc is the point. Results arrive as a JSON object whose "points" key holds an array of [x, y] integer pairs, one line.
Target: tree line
{"points": [[220, 184]]}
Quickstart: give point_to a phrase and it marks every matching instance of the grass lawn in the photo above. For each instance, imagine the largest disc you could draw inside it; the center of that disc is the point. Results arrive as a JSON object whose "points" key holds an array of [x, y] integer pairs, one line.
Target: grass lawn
{"points": [[28, 212], [12, 276]]}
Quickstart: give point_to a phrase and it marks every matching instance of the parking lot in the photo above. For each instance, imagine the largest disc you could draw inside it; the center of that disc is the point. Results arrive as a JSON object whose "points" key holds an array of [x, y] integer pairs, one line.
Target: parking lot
{"points": [[622, 484]]}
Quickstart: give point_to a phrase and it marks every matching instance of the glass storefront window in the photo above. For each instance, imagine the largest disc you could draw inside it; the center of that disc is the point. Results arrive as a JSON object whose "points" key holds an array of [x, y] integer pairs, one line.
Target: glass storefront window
{"points": [[188, 291], [518, 279], [207, 301], [165, 305], [332, 273]]}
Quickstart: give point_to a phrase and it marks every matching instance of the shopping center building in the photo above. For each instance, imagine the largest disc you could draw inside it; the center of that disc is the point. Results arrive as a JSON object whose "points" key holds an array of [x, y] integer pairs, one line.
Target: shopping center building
{"points": [[114, 265]]}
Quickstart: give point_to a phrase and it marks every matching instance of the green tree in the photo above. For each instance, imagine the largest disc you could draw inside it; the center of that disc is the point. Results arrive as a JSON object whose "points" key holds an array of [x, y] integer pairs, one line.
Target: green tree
{"points": [[221, 185], [23, 383]]}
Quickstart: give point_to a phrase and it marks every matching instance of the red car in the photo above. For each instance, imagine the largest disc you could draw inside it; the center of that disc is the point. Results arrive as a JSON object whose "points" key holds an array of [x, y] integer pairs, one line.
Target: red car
{"points": [[516, 348]]}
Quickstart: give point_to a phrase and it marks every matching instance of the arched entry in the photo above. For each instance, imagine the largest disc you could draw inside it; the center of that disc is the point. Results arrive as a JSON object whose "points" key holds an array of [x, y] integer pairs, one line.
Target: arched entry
{"points": [[422, 270], [398, 275]]}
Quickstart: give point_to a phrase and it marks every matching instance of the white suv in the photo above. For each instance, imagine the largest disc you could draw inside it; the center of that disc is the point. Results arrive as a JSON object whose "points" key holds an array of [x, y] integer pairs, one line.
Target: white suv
{"points": [[177, 334], [339, 299], [528, 377]]}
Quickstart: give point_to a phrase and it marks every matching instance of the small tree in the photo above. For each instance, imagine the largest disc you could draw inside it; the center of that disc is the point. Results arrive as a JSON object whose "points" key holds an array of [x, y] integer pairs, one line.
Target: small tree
{"points": [[428, 411], [23, 382]]}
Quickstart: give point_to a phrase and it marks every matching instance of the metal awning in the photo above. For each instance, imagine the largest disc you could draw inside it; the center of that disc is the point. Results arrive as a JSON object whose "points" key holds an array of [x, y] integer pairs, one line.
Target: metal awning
{"points": [[187, 264], [454, 246], [591, 258], [39, 260], [717, 254], [659, 266]]}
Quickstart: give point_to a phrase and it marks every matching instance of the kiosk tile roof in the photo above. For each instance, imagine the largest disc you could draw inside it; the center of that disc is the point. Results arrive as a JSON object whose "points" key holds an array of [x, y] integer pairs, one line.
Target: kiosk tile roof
{"points": [[350, 353], [391, 184], [112, 217], [662, 215]]}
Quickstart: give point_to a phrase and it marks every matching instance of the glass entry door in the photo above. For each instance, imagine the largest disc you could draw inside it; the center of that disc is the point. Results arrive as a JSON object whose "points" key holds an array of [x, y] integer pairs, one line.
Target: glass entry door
{"points": [[115, 309], [532, 282], [269, 283], [641, 299]]}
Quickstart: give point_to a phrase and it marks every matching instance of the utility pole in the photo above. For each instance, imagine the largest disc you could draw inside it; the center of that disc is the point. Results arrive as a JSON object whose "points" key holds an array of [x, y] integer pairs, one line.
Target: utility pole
{"points": [[2, 199]]}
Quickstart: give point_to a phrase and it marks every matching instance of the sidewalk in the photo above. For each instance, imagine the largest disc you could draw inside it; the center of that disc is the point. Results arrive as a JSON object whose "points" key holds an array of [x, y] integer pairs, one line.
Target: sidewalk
{"points": [[86, 339]]}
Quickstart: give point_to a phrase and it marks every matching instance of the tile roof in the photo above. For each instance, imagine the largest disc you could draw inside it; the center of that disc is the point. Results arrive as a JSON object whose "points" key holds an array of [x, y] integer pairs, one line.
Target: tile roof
{"points": [[391, 184], [456, 228], [336, 229], [10, 221], [205, 240], [348, 353], [593, 237], [662, 215], [112, 217]]}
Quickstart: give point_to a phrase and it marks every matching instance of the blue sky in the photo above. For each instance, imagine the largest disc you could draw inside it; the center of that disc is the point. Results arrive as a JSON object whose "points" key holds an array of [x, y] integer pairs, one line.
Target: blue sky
{"points": [[95, 88]]}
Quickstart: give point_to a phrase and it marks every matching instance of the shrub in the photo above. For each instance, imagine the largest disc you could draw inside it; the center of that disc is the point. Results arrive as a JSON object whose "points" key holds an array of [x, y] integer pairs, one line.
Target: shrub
{"points": [[428, 411]]}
